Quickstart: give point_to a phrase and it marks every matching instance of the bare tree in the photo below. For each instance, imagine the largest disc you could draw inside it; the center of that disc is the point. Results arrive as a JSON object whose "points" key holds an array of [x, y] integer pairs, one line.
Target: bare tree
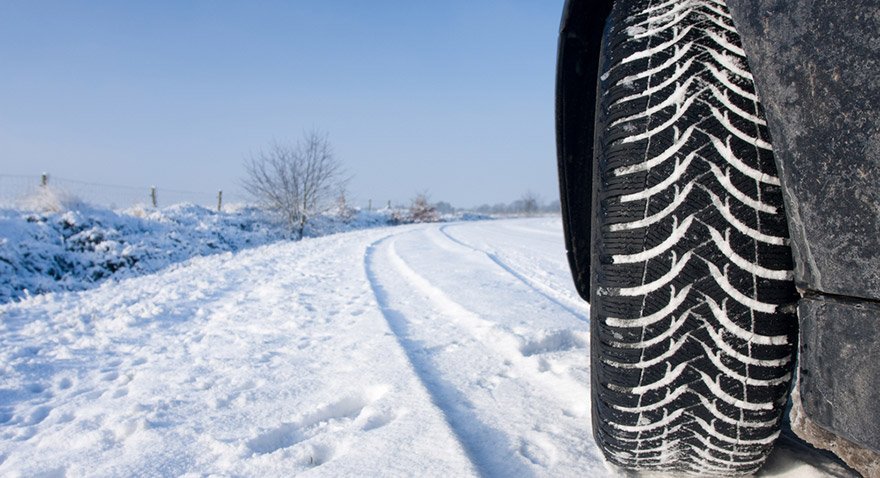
{"points": [[296, 181], [529, 203]]}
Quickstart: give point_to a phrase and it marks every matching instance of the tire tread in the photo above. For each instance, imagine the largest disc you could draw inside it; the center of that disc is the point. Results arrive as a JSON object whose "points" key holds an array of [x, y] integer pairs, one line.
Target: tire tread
{"points": [[730, 392]]}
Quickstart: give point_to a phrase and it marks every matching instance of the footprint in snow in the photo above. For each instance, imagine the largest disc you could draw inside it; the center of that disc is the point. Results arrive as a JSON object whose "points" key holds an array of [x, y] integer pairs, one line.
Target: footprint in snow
{"points": [[539, 450], [35, 388], [38, 414], [376, 419], [341, 414], [284, 436], [320, 454], [558, 341], [546, 364], [5, 416]]}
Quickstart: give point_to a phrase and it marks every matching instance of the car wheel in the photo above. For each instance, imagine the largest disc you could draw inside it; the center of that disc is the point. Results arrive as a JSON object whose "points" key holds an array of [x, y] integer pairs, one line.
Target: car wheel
{"points": [[692, 299]]}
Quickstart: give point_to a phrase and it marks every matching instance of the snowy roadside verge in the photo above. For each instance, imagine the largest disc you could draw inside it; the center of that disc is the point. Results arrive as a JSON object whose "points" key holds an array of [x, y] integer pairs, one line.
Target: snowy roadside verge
{"points": [[80, 247]]}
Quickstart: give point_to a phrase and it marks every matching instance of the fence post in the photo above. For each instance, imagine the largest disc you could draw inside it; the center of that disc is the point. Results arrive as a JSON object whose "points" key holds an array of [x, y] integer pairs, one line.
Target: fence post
{"points": [[44, 179], [219, 200], [389, 204], [153, 196], [369, 205]]}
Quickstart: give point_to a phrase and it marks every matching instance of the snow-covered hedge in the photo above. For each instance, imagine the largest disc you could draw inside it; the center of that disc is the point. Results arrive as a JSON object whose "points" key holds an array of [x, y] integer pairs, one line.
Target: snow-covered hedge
{"points": [[58, 250], [76, 249]]}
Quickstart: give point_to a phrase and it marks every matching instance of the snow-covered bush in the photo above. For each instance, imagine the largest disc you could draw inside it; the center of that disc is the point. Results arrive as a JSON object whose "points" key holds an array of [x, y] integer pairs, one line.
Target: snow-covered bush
{"points": [[423, 211], [420, 210], [46, 250]]}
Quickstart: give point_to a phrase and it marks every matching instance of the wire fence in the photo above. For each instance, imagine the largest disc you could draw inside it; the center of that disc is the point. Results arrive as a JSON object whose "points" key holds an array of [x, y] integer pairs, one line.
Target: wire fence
{"points": [[27, 191], [20, 191]]}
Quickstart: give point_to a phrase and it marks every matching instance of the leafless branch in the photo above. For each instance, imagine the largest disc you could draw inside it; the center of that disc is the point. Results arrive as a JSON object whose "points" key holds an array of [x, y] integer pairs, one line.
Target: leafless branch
{"points": [[296, 181]]}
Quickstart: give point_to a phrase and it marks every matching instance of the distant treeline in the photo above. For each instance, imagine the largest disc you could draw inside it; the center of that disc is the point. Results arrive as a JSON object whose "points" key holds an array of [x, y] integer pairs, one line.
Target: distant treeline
{"points": [[520, 207], [526, 205]]}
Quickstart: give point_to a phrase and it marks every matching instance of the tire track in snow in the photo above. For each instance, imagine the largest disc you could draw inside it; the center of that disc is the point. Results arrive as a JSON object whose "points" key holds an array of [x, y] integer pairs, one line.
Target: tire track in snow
{"points": [[529, 282], [511, 347], [492, 381], [455, 407]]}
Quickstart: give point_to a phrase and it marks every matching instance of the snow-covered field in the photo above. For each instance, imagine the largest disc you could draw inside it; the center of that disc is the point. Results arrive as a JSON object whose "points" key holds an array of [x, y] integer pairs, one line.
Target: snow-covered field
{"points": [[426, 350]]}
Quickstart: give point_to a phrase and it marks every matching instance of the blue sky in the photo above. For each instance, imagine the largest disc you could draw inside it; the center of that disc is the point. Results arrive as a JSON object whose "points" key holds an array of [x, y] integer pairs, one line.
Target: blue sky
{"points": [[451, 97]]}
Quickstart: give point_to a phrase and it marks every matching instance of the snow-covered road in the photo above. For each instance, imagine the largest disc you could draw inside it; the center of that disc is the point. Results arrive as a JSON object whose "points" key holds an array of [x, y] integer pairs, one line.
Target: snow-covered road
{"points": [[428, 350]]}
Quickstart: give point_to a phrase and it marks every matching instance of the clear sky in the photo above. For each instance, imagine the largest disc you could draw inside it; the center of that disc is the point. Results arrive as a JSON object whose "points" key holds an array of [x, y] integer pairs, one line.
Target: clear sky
{"points": [[452, 97]]}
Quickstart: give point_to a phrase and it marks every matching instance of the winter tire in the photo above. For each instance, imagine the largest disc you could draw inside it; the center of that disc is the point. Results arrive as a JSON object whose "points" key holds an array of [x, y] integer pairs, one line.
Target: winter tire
{"points": [[692, 298]]}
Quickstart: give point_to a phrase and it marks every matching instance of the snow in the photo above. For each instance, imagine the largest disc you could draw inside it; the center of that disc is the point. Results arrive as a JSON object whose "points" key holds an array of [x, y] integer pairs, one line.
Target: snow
{"points": [[68, 245], [421, 350], [77, 249]]}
